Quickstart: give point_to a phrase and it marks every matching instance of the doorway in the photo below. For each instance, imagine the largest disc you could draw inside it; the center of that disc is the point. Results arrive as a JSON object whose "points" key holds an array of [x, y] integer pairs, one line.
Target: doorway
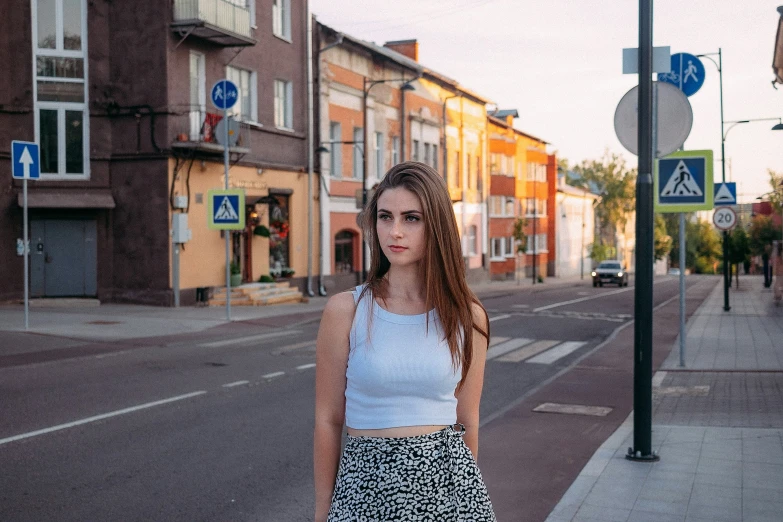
{"points": [[63, 258]]}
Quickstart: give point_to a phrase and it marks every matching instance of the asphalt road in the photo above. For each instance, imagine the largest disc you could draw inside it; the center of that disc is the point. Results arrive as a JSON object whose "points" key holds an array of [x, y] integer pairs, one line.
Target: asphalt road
{"points": [[218, 425]]}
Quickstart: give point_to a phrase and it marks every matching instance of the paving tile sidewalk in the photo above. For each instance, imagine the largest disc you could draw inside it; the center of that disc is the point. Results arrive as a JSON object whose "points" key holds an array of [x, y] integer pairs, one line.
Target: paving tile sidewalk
{"points": [[717, 425]]}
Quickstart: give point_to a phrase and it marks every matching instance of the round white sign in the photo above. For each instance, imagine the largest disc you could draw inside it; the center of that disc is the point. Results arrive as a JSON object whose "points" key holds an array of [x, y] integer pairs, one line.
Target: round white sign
{"points": [[724, 218], [675, 118]]}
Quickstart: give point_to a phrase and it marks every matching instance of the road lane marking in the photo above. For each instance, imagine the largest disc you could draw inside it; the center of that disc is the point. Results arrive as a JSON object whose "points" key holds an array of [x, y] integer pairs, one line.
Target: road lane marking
{"points": [[497, 340], [306, 366], [100, 417], [252, 338], [237, 383], [506, 346], [528, 351], [588, 298], [556, 353], [498, 317], [272, 375], [573, 409]]}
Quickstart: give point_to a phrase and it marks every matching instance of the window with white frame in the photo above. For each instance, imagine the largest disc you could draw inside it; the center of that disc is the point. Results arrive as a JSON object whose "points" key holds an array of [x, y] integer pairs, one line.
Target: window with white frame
{"points": [[415, 151], [540, 172], [494, 163], [530, 206], [245, 107], [542, 207], [502, 206], [427, 158], [198, 94], [531, 171], [470, 173], [502, 247], [395, 150], [379, 170], [62, 118], [281, 18], [510, 207], [472, 240], [335, 149], [358, 157], [284, 104], [434, 156], [536, 244]]}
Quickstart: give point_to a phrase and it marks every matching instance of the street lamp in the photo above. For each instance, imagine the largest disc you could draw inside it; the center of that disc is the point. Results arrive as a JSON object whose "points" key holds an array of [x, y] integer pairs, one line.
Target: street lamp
{"points": [[368, 84], [723, 134]]}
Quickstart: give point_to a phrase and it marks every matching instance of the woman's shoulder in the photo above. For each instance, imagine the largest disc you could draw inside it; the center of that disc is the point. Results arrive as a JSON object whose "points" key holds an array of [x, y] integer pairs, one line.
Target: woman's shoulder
{"points": [[341, 303], [480, 318]]}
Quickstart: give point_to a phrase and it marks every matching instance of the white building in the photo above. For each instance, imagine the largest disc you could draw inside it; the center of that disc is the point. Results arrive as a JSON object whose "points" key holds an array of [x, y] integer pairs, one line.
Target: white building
{"points": [[575, 229]]}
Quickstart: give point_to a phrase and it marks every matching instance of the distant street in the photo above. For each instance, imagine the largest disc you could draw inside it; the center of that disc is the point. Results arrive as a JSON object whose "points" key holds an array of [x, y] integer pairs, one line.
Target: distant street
{"points": [[218, 425]]}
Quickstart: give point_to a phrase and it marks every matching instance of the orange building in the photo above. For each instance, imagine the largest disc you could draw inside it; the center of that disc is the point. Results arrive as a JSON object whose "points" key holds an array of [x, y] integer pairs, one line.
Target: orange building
{"points": [[539, 206]]}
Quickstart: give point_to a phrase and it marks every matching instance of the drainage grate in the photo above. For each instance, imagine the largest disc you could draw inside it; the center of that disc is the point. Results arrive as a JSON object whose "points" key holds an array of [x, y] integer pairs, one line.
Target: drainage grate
{"points": [[572, 409]]}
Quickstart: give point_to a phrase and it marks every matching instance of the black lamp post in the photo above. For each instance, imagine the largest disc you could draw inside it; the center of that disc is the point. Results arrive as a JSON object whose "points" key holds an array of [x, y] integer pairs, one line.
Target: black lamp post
{"points": [[368, 84]]}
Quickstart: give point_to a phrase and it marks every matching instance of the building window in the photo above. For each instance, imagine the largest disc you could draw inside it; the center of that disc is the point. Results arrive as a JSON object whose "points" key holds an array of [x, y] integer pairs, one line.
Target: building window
{"points": [[457, 170], [358, 157], [510, 207], [379, 170], [510, 242], [198, 95], [284, 104], [415, 151], [537, 242], [281, 18], [395, 151], [531, 172], [497, 247], [541, 173], [60, 65], [343, 252], [472, 240], [427, 158], [335, 149], [434, 156], [245, 108]]}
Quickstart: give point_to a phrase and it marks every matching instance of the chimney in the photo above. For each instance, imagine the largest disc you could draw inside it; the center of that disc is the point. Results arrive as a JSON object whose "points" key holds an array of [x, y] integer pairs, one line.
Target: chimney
{"points": [[409, 48]]}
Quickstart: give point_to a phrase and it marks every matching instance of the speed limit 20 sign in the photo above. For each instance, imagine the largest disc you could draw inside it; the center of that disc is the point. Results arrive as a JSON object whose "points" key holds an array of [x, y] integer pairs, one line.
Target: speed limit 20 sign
{"points": [[724, 218]]}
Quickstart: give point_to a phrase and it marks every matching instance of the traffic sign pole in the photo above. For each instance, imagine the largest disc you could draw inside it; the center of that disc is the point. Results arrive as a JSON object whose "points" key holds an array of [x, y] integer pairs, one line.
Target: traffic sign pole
{"points": [[26, 258], [227, 232]]}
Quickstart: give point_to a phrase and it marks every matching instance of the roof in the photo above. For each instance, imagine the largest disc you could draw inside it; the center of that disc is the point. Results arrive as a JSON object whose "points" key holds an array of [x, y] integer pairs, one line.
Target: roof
{"points": [[379, 50], [502, 123], [576, 191], [502, 113], [453, 85]]}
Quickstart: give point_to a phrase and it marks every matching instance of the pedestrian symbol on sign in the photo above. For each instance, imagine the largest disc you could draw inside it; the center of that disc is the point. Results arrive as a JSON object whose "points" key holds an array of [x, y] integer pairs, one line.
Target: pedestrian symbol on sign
{"points": [[226, 211], [681, 183], [690, 72]]}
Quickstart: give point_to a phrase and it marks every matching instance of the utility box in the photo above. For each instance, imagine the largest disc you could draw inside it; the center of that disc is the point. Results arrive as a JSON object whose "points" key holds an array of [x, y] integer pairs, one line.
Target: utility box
{"points": [[180, 202], [180, 232]]}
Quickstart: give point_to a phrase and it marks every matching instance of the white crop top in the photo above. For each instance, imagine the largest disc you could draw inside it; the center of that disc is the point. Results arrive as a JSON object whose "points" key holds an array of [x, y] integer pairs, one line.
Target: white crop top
{"points": [[402, 375]]}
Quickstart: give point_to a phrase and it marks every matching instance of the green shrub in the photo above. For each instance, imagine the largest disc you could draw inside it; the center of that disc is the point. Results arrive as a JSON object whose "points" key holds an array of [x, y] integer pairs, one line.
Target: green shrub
{"points": [[266, 279]]}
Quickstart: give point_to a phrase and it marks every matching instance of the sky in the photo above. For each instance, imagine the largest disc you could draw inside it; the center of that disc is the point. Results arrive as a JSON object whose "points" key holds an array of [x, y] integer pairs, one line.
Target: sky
{"points": [[559, 63]]}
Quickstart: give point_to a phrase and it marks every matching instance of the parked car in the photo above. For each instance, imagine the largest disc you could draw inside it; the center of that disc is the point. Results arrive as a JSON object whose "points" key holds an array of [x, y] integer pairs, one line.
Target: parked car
{"points": [[610, 272], [674, 271]]}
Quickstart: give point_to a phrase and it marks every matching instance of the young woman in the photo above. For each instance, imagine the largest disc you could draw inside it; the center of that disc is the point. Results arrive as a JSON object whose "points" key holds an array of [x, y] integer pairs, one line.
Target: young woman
{"points": [[400, 362]]}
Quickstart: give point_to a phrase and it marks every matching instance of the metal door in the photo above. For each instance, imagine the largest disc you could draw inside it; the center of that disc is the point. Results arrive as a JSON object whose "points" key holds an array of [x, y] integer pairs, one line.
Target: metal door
{"points": [[63, 260]]}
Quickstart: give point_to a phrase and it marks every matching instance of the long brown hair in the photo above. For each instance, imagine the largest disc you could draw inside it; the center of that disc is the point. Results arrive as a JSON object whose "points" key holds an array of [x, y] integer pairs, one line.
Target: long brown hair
{"points": [[446, 290]]}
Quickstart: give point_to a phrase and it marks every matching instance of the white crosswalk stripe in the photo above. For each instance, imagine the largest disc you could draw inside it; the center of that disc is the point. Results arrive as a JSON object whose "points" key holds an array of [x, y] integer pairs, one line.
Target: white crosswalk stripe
{"points": [[520, 349]]}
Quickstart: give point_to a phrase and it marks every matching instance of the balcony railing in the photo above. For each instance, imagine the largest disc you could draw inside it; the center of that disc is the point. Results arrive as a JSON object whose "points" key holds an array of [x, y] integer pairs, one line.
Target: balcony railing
{"points": [[196, 130], [222, 22]]}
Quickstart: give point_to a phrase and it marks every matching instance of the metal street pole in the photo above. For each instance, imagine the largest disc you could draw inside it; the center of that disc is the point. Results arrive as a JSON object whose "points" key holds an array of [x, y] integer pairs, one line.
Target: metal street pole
{"points": [[535, 220], [365, 159], [643, 316], [682, 289], [26, 258], [227, 232], [726, 280]]}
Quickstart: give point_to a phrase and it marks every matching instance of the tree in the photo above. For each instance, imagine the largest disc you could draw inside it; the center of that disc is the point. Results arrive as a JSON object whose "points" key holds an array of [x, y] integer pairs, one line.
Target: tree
{"points": [[599, 252], [703, 247], [762, 233], [739, 249], [519, 235], [662, 240], [616, 183]]}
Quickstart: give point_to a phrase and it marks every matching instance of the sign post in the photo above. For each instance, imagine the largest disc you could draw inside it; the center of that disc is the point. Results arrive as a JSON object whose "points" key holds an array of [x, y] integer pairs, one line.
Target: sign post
{"points": [[25, 164], [224, 95]]}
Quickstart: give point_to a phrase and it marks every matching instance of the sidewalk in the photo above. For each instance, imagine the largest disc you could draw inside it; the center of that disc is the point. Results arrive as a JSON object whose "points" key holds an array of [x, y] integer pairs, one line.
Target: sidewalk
{"points": [[717, 426], [88, 320]]}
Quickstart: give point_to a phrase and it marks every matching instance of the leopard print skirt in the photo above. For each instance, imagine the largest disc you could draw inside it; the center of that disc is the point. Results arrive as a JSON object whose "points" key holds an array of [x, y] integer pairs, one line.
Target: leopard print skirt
{"points": [[428, 477]]}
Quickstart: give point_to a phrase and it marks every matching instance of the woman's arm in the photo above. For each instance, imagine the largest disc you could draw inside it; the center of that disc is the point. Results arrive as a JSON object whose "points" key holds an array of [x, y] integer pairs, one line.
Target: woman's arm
{"points": [[469, 396], [331, 360]]}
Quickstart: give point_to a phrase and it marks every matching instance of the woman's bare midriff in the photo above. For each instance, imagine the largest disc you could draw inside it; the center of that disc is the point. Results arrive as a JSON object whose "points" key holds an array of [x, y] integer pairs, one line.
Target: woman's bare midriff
{"points": [[397, 432]]}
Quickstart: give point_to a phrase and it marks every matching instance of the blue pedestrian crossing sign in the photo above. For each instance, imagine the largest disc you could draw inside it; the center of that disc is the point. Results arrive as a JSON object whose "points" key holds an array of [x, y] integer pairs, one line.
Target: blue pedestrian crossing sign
{"points": [[725, 194], [687, 73], [25, 160], [683, 181], [226, 209], [224, 94]]}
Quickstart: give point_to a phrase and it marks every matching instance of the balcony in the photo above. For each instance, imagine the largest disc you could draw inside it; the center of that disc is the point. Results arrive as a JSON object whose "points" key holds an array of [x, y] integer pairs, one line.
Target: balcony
{"points": [[195, 130], [221, 22]]}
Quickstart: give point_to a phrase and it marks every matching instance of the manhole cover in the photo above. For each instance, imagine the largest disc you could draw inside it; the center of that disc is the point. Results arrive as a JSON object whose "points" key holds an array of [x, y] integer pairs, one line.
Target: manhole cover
{"points": [[103, 322], [572, 409]]}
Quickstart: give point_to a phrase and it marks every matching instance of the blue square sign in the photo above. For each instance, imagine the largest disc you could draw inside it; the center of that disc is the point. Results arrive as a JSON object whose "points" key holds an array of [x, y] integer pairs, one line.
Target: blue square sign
{"points": [[226, 209], [25, 160]]}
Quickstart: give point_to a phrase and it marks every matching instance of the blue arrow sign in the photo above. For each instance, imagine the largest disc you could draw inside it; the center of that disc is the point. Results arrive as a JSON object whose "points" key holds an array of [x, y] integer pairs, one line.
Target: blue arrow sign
{"points": [[725, 194], [25, 160], [687, 73], [224, 94]]}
